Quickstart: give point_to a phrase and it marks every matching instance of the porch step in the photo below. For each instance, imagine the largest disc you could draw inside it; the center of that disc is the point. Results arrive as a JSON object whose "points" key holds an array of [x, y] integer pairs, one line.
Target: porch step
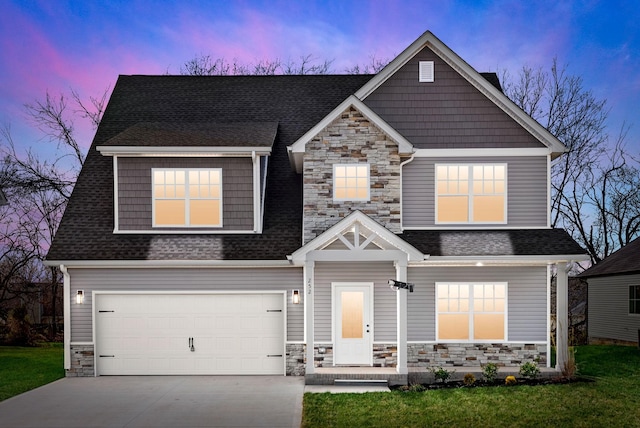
{"points": [[361, 382]]}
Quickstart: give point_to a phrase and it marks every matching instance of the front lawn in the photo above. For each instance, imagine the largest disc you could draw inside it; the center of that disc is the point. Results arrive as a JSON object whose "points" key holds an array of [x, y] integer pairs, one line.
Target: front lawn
{"points": [[612, 400], [22, 369]]}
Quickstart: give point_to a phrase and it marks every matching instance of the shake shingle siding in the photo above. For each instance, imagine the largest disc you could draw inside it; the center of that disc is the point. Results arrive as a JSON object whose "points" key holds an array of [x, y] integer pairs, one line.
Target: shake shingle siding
{"points": [[527, 201], [135, 198], [446, 113]]}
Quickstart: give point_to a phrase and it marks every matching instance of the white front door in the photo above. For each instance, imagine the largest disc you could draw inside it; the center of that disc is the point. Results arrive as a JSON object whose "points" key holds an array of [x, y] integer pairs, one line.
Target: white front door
{"points": [[353, 323]]}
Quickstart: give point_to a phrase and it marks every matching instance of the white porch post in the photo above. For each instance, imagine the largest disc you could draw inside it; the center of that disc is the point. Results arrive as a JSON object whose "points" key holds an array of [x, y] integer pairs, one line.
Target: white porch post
{"points": [[562, 315], [401, 309], [66, 292], [308, 274]]}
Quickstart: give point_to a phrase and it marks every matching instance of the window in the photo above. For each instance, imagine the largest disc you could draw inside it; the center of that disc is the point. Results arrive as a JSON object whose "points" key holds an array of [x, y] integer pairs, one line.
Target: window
{"points": [[471, 311], [634, 299], [471, 194], [187, 197], [351, 182]]}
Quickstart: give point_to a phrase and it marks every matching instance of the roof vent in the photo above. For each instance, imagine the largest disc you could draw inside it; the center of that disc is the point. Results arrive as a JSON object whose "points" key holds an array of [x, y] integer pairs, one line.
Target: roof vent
{"points": [[426, 71]]}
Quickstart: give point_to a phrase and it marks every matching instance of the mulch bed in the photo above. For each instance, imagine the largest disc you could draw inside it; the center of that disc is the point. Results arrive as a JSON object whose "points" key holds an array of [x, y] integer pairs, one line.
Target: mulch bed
{"points": [[497, 383]]}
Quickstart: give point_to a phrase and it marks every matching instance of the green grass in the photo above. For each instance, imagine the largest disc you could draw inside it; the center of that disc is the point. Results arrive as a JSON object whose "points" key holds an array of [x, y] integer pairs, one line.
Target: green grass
{"points": [[613, 400], [22, 369]]}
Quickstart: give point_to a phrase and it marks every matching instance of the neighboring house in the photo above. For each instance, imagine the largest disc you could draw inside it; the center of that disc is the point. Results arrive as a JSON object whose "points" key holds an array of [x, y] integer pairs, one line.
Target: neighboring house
{"points": [[614, 296], [252, 224]]}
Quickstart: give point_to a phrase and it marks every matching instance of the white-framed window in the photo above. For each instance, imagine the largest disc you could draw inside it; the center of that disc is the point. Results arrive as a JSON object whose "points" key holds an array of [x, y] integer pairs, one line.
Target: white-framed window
{"points": [[634, 299], [351, 182], [471, 194], [471, 311], [187, 197]]}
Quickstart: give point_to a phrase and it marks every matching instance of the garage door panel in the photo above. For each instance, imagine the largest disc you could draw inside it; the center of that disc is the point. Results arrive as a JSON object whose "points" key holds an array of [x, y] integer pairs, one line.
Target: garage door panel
{"points": [[149, 334]]}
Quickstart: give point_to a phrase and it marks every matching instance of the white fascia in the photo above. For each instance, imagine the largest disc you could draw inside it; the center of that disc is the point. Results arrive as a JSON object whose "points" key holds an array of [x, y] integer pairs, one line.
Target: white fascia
{"points": [[154, 151], [297, 149], [541, 260], [153, 264], [481, 152]]}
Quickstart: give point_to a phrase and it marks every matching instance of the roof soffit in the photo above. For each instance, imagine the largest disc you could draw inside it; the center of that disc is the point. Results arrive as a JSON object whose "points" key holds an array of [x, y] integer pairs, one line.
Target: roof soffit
{"points": [[474, 78]]}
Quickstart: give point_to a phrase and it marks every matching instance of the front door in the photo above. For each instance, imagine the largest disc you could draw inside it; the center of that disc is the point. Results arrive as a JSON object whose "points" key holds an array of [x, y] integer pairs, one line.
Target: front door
{"points": [[353, 323]]}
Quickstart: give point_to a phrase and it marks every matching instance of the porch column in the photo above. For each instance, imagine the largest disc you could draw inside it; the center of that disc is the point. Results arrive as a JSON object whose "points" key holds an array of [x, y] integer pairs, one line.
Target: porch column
{"points": [[562, 315], [308, 274], [401, 317]]}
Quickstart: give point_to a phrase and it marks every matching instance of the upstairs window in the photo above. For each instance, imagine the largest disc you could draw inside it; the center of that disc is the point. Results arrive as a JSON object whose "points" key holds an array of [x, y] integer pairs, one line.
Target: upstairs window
{"points": [[469, 312], [634, 299], [351, 182], [187, 197], [471, 194]]}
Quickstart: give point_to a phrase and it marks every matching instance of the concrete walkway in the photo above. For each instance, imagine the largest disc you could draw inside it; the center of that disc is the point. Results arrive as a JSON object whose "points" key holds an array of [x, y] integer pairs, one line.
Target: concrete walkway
{"points": [[159, 401]]}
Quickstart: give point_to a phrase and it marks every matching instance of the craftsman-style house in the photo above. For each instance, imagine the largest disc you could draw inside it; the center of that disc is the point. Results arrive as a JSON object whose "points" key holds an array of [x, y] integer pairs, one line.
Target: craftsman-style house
{"points": [[302, 224]]}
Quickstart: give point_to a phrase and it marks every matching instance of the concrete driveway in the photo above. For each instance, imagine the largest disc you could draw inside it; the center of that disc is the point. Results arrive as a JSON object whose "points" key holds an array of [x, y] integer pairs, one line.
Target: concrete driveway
{"points": [[159, 401]]}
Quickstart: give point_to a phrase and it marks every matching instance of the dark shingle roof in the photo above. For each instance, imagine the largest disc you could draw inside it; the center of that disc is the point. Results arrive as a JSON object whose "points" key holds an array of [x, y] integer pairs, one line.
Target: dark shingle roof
{"points": [[181, 105], [296, 103], [243, 134], [525, 242], [624, 261]]}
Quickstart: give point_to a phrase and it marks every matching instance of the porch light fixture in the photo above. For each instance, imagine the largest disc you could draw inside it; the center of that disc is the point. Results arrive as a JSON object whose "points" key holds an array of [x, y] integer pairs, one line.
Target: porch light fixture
{"points": [[397, 285], [295, 297], [80, 297]]}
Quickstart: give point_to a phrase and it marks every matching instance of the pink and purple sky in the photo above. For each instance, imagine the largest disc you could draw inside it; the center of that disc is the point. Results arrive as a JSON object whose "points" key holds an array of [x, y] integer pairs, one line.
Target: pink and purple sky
{"points": [[55, 45]]}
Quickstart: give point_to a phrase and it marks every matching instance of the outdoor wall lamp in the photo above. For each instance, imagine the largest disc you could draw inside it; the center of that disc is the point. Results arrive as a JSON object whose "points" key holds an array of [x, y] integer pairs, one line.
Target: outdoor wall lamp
{"points": [[80, 297], [295, 297]]}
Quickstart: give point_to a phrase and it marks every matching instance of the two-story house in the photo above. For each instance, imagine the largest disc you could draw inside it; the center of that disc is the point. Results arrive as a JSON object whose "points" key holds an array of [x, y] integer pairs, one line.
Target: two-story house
{"points": [[306, 224]]}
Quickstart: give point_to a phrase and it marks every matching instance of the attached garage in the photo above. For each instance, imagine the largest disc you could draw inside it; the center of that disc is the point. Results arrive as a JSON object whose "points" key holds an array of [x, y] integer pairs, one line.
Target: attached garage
{"points": [[190, 333]]}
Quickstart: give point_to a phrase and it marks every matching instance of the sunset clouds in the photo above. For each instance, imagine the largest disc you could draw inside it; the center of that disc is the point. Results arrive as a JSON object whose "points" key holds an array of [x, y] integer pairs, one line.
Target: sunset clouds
{"points": [[56, 45]]}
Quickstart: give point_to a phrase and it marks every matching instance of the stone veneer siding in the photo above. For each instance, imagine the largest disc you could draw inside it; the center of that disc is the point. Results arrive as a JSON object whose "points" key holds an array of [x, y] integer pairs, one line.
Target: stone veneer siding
{"points": [[475, 354], [295, 365], [81, 361], [384, 355], [350, 139]]}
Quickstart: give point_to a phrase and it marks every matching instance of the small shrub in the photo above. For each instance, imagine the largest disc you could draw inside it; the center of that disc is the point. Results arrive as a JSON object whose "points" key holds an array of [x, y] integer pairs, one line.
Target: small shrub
{"points": [[570, 368], [469, 379], [490, 372], [529, 370], [510, 380], [416, 387], [441, 374]]}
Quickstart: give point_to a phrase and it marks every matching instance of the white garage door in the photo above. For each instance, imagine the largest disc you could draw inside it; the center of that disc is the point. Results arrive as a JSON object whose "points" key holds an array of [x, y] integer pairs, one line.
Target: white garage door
{"points": [[167, 334]]}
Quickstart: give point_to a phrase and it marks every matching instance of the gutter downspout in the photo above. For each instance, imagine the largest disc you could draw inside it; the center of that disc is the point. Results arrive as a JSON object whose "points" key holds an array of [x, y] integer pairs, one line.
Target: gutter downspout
{"points": [[66, 291], [401, 186]]}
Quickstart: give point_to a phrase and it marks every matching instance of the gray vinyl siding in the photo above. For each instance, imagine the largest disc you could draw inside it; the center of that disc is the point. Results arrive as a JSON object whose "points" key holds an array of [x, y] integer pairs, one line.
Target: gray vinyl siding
{"points": [[609, 316], [527, 199], [134, 190], [526, 299], [446, 113], [384, 299], [223, 279]]}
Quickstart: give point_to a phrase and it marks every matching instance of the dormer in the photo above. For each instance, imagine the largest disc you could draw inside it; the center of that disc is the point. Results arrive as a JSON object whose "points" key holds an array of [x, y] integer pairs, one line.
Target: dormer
{"points": [[190, 177]]}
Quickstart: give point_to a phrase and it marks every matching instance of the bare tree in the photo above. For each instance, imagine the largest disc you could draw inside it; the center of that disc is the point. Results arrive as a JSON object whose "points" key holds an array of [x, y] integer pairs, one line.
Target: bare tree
{"points": [[593, 195], [38, 188]]}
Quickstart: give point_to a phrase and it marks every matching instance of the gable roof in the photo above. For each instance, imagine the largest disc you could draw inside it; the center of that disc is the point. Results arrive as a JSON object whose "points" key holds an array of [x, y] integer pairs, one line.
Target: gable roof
{"points": [[482, 82], [297, 149], [624, 261]]}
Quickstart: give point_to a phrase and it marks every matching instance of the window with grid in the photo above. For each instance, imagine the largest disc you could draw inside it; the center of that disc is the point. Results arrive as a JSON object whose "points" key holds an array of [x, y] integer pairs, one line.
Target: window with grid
{"points": [[471, 312], [634, 299], [187, 197], [351, 182], [471, 194]]}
